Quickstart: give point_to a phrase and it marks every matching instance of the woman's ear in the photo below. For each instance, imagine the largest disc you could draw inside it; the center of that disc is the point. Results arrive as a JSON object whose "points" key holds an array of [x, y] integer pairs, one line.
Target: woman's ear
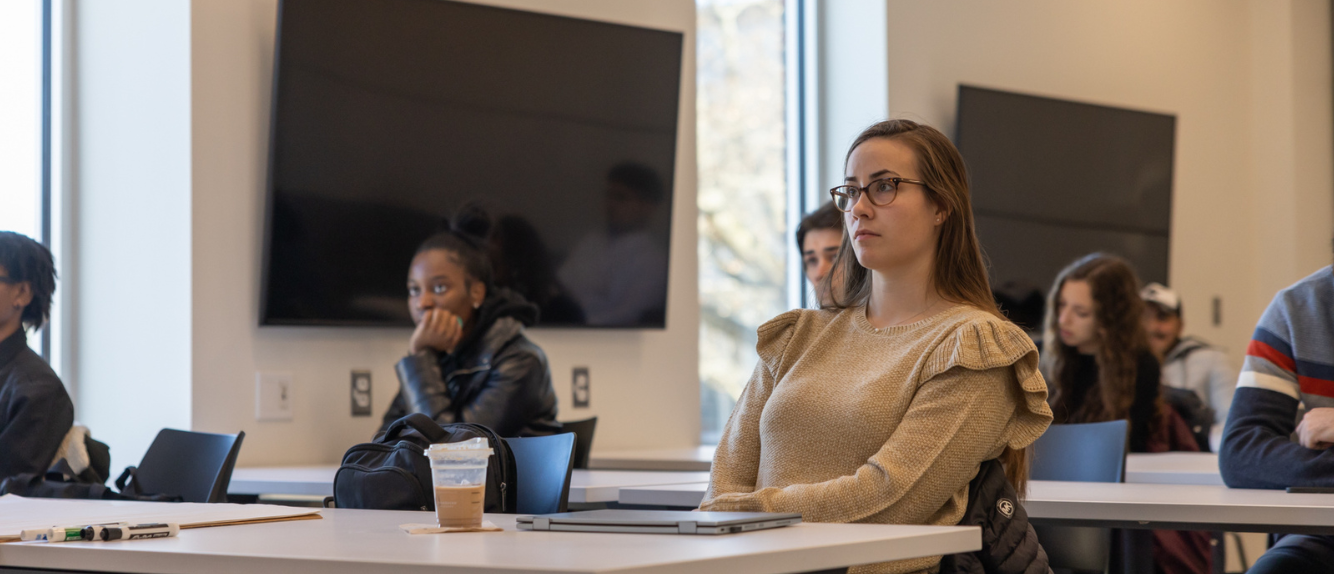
{"points": [[476, 294]]}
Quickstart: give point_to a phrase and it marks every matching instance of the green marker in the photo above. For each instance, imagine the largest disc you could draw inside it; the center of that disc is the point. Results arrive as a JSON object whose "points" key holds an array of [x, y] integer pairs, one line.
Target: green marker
{"points": [[58, 534]]}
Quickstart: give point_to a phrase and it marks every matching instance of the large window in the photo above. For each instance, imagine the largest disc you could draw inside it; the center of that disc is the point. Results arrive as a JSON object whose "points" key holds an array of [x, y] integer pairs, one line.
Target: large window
{"points": [[743, 192], [21, 121]]}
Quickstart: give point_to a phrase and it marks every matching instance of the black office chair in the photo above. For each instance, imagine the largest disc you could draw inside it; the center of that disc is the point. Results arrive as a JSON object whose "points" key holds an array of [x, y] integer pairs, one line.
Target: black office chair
{"points": [[1091, 452], [195, 466], [544, 466], [583, 439]]}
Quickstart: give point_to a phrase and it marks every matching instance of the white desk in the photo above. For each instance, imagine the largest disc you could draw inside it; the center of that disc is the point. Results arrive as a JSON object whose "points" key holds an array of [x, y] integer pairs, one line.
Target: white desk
{"points": [[361, 541], [298, 480], [586, 486], [1199, 468], [673, 495], [1179, 507], [591, 486], [1138, 506], [698, 458]]}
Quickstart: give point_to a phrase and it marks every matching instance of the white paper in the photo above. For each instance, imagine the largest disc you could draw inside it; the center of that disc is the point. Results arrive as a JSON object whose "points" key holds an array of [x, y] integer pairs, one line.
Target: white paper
{"points": [[18, 513]]}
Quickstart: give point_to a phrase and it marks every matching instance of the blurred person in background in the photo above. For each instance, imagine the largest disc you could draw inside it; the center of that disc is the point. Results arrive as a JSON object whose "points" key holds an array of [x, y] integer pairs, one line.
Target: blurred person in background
{"points": [[1098, 362], [818, 239], [1188, 363]]}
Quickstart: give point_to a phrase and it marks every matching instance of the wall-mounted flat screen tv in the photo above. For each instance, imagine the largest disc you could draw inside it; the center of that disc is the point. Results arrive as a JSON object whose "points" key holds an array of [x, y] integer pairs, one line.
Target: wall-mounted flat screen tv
{"points": [[1053, 180], [391, 116]]}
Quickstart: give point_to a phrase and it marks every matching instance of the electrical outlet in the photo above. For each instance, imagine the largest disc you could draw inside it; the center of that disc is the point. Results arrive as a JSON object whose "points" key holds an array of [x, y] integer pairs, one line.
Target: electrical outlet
{"points": [[273, 396], [361, 393], [579, 389]]}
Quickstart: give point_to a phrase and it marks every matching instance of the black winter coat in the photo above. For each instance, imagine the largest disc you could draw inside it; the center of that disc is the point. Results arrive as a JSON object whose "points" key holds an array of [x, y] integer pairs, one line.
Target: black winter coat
{"points": [[1009, 545], [496, 377], [35, 411]]}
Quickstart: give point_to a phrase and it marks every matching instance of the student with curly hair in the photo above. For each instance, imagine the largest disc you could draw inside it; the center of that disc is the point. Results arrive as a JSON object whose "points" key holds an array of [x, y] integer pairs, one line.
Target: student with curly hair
{"points": [[1097, 360], [35, 411]]}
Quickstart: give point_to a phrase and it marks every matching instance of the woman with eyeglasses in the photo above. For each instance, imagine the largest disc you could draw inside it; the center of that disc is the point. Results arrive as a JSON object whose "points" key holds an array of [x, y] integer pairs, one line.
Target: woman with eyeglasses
{"points": [[882, 406], [468, 359], [35, 411]]}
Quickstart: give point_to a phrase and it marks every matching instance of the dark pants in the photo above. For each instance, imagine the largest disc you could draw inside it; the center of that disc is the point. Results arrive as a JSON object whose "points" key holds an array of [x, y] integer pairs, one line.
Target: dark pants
{"points": [[1297, 553]]}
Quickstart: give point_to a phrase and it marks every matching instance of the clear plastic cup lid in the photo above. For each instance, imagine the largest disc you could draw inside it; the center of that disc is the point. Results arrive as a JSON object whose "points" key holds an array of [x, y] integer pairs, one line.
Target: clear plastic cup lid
{"points": [[471, 448]]}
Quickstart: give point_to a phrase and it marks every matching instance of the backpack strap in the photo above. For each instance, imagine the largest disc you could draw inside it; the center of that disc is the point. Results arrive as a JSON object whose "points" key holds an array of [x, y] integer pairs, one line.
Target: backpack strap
{"points": [[127, 484], [418, 422]]}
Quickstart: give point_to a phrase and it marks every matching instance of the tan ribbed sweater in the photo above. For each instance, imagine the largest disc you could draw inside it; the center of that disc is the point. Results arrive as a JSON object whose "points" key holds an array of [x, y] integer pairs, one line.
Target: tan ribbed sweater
{"points": [[846, 423]]}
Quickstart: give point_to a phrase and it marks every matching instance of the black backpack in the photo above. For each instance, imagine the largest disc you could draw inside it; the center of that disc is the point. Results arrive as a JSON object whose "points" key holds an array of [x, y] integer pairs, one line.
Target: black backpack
{"points": [[393, 473], [56, 485]]}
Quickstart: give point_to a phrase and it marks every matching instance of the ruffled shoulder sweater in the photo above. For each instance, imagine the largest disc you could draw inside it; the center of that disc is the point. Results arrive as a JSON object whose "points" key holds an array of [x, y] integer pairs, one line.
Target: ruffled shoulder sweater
{"points": [[843, 422]]}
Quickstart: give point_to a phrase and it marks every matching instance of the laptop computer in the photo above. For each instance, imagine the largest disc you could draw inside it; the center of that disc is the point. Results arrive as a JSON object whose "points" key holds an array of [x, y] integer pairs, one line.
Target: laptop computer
{"points": [[657, 521]]}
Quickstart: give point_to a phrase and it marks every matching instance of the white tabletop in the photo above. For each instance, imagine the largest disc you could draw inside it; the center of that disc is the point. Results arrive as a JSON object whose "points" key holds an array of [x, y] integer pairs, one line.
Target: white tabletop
{"points": [[300, 480], [1180, 507], [362, 541], [1200, 468], [1184, 507], [673, 495], [605, 485], [696, 458], [586, 486]]}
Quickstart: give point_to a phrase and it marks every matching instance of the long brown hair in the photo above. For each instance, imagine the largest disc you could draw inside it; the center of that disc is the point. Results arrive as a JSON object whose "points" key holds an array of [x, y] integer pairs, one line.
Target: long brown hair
{"points": [[1117, 312], [960, 273]]}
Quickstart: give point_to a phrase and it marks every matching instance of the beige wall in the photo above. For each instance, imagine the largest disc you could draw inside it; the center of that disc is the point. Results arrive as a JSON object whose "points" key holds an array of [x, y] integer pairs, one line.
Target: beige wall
{"points": [[1249, 83], [645, 384]]}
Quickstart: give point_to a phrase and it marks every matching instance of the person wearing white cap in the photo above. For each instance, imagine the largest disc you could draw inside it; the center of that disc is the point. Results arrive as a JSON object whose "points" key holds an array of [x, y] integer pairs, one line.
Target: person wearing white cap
{"points": [[1188, 363]]}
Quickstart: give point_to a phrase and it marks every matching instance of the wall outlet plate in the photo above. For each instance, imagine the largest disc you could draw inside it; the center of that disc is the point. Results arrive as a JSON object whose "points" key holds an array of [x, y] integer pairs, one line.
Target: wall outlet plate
{"points": [[579, 388], [361, 393], [273, 396]]}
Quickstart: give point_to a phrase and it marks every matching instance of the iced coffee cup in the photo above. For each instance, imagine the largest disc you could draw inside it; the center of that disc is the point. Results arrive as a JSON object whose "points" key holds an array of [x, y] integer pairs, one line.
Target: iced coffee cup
{"points": [[458, 473]]}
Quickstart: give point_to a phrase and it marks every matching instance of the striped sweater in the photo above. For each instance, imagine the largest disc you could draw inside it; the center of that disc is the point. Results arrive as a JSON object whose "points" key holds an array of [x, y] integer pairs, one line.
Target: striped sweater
{"points": [[1289, 369]]}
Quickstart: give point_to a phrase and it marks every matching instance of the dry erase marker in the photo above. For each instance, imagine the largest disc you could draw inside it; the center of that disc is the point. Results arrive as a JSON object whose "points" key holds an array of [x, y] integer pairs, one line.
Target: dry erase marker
{"points": [[139, 531], [32, 534], [61, 534], [64, 534]]}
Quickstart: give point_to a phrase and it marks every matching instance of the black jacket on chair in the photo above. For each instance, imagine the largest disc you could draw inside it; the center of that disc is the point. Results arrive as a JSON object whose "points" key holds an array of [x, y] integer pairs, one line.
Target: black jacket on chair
{"points": [[496, 377], [35, 411], [1009, 545]]}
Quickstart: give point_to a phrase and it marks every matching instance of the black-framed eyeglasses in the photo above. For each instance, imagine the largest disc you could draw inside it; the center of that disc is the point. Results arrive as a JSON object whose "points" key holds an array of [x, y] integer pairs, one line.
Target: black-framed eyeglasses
{"points": [[881, 192]]}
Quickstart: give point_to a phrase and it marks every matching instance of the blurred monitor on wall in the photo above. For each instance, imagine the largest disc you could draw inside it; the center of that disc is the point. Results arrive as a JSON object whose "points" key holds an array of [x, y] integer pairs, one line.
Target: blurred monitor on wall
{"points": [[1053, 180], [389, 116]]}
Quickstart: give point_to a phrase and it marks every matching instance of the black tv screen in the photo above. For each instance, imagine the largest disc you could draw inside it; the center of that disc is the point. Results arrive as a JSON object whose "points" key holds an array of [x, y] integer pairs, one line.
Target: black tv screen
{"points": [[1053, 180], [390, 116]]}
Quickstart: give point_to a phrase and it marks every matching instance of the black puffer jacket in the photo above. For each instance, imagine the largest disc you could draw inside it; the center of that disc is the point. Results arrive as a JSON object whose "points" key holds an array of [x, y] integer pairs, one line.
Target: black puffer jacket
{"points": [[496, 377], [1009, 545]]}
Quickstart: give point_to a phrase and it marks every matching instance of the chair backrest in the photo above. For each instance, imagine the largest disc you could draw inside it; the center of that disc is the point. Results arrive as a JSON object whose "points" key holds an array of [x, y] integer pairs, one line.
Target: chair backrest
{"points": [[583, 439], [1088, 452], [195, 466], [544, 467]]}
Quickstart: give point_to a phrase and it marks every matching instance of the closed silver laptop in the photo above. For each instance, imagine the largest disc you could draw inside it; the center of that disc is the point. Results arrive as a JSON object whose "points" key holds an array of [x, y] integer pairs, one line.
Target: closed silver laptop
{"points": [[657, 521]]}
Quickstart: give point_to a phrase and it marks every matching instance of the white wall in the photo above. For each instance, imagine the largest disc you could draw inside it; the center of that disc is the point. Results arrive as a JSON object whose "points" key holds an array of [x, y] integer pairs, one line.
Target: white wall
{"points": [[130, 361], [1249, 83], [852, 67], [645, 384]]}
